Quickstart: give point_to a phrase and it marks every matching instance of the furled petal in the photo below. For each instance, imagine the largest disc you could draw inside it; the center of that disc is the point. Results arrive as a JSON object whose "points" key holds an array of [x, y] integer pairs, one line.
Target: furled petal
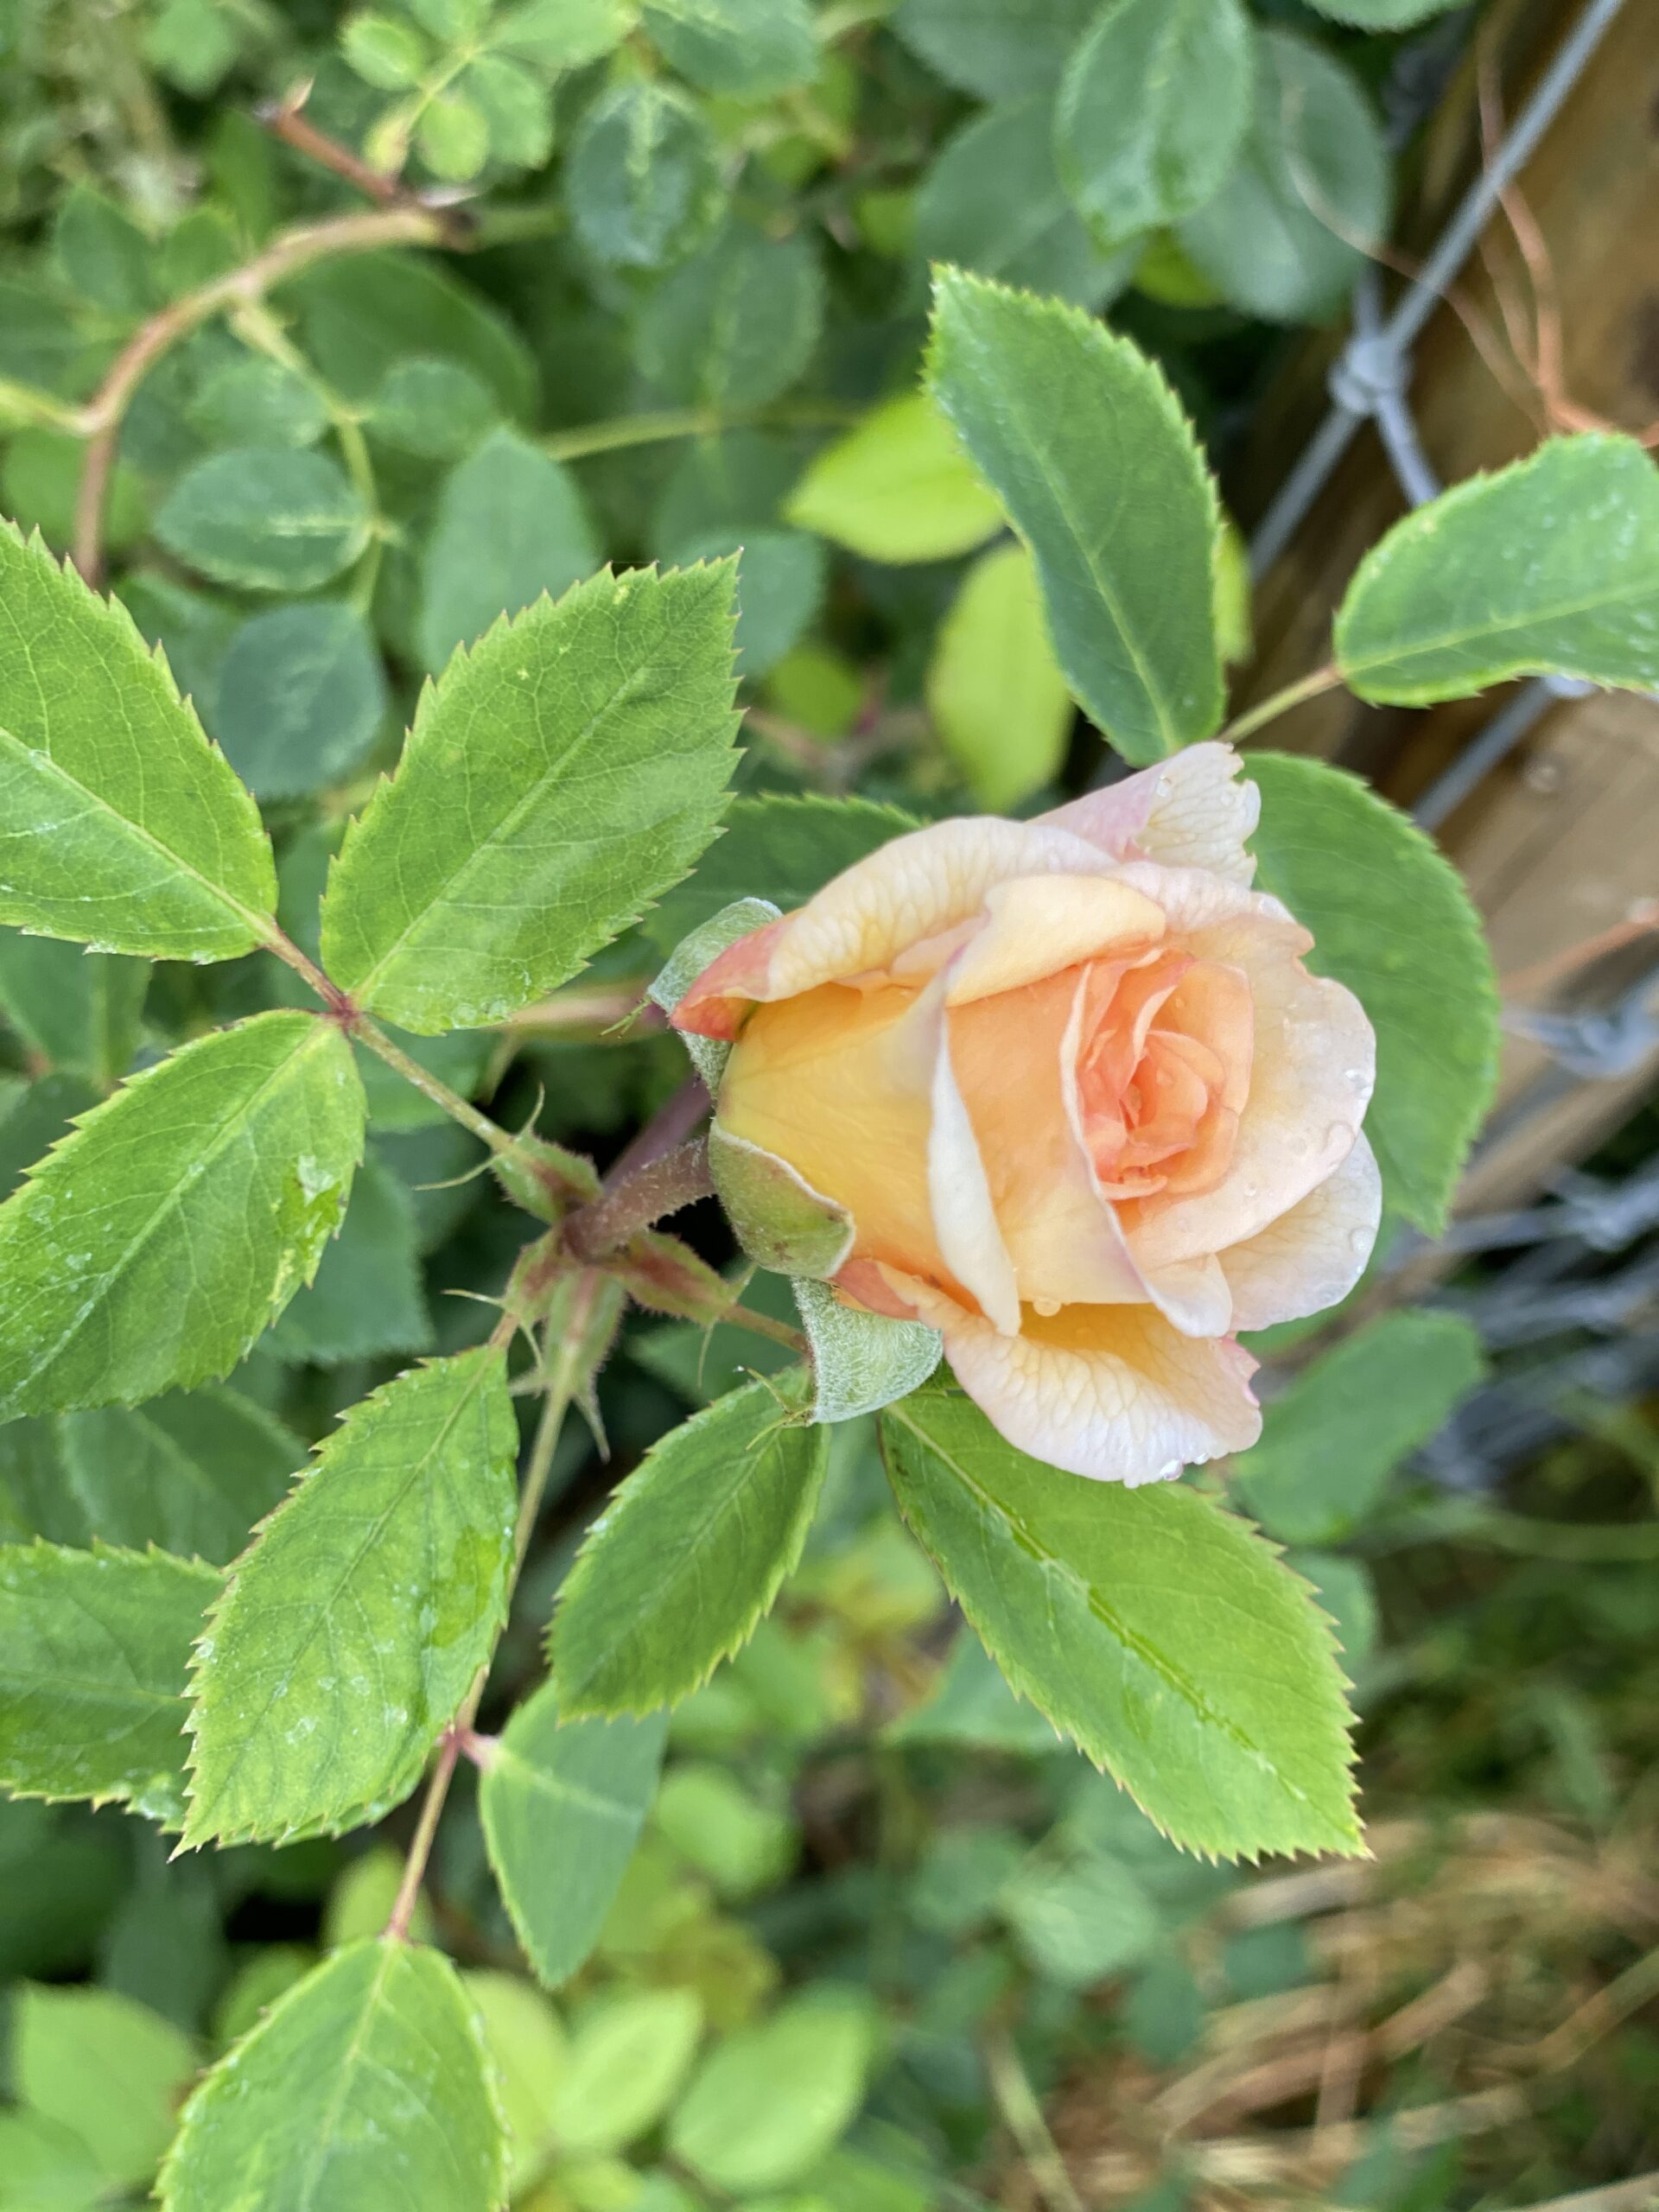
{"points": [[1313, 1255], [917, 888], [1311, 1074], [1113, 1392], [1037, 925], [1189, 812]]}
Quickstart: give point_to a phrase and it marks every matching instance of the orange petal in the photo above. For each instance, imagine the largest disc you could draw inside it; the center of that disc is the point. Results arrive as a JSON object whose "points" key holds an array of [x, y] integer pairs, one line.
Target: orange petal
{"points": [[1313, 1255], [1113, 1392]]}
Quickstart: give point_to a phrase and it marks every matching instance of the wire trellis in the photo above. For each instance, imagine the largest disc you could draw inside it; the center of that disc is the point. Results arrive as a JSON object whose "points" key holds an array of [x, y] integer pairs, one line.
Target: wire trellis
{"points": [[1575, 1306]]}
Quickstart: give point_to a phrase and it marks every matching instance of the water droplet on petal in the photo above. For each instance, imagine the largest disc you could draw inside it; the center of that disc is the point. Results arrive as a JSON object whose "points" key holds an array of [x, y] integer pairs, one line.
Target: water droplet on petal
{"points": [[1048, 1307], [1170, 1469]]}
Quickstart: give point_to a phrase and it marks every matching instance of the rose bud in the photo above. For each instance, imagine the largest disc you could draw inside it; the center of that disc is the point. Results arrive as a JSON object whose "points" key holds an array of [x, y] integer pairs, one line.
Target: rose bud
{"points": [[1083, 1108]]}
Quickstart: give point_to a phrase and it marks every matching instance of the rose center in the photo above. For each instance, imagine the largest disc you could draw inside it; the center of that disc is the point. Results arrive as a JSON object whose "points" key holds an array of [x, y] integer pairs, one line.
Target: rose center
{"points": [[1162, 1072]]}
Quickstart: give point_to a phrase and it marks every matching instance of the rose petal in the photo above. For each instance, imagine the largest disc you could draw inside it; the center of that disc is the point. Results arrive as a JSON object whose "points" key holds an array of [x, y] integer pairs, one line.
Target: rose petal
{"points": [[1313, 1255], [918, 887], [1112, 1392], [1312, 1075], [1189, 812], [964, 1218], [1036, 925]]}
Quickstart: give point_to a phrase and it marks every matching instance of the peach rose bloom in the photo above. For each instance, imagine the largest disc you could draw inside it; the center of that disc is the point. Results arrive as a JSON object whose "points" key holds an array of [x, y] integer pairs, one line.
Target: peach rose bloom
{"points": [[1089, 1112]]}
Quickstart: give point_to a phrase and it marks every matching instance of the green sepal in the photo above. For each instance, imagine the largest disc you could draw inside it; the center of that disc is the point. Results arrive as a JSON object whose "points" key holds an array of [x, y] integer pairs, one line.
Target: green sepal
{"points": [[860, 1362], [778, 1217], [687, 962]]}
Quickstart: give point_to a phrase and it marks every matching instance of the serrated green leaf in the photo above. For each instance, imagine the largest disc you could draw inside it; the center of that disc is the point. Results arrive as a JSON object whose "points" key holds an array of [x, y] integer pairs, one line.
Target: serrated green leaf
{"points": [[777, 849], [995, 690], [123, 827], [898, 487], [993, 201], [1548, 568], [562, 1808], [559, 777], [689, 1554], [752, 48], [1100, 472], [772, 2099], [995, 48], [1333, 1437], [93, 1650], [1347, 1591], [265, 518], [367, 1300], [736, 324], [78, 1011], [1161, 1633], [643, 181], [510, 525], [1152, 112], [860, 1362], [1392, 919], [191, 1471], [149, 1249], [780, 581], [364, 2088], [301, 697], [33, 1118], [517, 108], [104, 2067], [352, 1628], [627, 2060], [1287, 232], [562, 34]]}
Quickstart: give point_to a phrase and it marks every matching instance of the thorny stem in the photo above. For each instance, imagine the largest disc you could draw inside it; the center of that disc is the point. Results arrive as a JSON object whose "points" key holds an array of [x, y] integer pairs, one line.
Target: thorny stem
{"points": [[675, 1179], [431, 1086], [99, 422], [669, 1126], [561, 1386], [283, 120], [1280, 702]]}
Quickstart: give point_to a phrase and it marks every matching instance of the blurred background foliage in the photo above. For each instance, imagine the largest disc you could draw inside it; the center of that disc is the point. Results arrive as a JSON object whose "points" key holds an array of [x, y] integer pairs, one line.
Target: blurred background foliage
{"points": [[885, 1943]]}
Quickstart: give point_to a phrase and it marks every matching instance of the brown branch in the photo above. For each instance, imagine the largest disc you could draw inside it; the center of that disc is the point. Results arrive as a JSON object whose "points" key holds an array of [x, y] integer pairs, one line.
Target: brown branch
{"points": [[662, 1186], [101, 419]]}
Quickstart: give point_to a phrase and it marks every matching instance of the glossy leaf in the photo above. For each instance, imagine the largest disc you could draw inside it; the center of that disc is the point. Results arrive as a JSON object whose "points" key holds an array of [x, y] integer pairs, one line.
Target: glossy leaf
{"points": [[627, 2061], [996, 48], [1333, 1438], [93, 1650], [749, 48], [993, 201], [643, 179], [149, 1249], [265, 518], [995, 690], [766, 2106], [736, 324], [563, 1808], [1287, 234], [1149, 1624], [364, 2088], [1153, 110], [192, 1472], [560, 776], [689, 1554], [897, 488], [123, 827], [301, 698], [511, 525], [79, 1011], [1391, 919], [1098, 468], [368, 1300], [351, 1629], [106, 2068], [1549, 568]]}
